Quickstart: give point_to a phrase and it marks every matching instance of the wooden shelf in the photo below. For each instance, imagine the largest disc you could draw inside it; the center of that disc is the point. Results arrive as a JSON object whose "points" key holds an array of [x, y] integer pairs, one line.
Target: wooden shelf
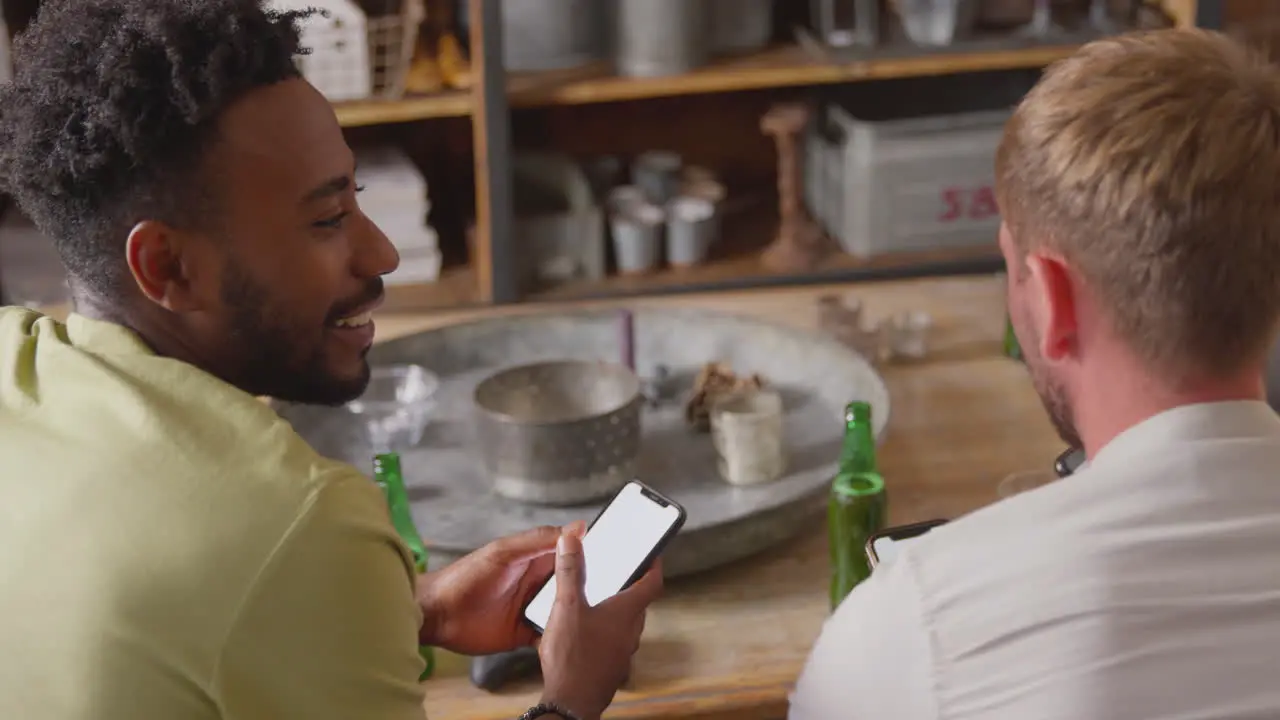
{"points": [[784, 66], [747, 271], [735, 262], [455, 103]]}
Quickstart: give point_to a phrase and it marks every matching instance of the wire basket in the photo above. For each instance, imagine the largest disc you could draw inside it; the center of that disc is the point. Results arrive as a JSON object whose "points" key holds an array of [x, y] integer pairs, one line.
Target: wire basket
{"points": [[392, 41], [355, 54]]}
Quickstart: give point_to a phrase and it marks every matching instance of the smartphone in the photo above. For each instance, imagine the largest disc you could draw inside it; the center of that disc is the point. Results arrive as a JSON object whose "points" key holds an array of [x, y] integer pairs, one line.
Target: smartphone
{"points": [[883, 546], [1068, 462], [621, 543]]}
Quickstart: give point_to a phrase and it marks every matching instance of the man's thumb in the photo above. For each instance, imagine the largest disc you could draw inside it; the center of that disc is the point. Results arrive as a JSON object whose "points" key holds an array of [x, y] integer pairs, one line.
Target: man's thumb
{"points": [[570, 569]]}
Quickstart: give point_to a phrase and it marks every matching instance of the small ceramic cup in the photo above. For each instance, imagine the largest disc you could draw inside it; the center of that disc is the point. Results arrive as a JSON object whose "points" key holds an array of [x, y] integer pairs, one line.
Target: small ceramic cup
{"points": [[909, 334], [840, 316], [691, 230], [746, 430], [637, 238], [657, 173], [625, 198]]}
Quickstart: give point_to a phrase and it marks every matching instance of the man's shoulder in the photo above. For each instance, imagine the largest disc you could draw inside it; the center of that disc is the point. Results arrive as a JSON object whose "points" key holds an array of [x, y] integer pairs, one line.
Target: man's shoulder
{"points": [[1060, 550], [279, 518], [19, 328], [153, 446], [1032, 527], [262, 485], [226, 533], [1068, 521], [15, 317]]}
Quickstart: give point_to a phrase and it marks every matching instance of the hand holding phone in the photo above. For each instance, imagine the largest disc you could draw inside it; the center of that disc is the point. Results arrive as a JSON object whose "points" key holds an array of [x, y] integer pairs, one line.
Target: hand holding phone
{"points": [[586, 651], [627, 535], [591, 612]]}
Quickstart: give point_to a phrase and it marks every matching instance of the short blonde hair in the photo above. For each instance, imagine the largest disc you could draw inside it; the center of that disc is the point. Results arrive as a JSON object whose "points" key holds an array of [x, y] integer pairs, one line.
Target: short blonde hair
{"points": [[1151, 162]]}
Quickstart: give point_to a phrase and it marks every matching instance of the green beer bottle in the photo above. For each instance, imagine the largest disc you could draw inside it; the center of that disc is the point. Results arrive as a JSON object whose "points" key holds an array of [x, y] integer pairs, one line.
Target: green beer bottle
{"points": [[1011, 346], [857, 505], [386, 473]]}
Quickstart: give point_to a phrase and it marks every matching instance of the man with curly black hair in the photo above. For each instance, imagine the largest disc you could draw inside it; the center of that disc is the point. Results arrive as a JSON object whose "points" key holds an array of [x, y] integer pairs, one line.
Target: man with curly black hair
{"points": [[169, 547]]}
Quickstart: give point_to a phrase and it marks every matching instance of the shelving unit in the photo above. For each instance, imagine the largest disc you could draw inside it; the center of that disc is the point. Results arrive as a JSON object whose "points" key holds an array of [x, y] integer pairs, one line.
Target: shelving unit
{"points": [[490, 279], [497, 94], [489, 275]]}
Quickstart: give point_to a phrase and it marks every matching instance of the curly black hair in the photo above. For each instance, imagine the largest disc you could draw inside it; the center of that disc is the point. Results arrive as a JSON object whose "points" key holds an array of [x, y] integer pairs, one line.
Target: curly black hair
{"points": [[113, 106]]}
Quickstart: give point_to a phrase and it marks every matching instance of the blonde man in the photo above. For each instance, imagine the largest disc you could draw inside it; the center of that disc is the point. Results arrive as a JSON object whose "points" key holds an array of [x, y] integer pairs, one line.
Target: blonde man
{"points": [[1140, 187]]}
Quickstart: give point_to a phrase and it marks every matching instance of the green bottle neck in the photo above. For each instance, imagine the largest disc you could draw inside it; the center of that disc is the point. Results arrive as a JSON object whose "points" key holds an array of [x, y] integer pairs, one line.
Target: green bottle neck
{"points": [[858, 455], [386, 472], [858, 451]]}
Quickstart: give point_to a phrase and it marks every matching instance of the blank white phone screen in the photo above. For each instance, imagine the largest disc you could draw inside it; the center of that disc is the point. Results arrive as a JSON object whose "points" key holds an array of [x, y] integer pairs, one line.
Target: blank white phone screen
{"points": [[614, 548]]}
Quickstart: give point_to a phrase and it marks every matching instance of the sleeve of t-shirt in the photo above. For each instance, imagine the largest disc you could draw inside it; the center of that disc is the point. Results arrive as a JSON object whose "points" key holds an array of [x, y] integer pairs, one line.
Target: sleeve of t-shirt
{"points": [[330, 629], [872, 660]]}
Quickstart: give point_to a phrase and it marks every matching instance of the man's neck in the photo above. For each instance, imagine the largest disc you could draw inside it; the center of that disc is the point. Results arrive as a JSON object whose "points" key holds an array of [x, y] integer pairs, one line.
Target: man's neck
{"points": [[153, 332], [88, 304], [1121, 395]]}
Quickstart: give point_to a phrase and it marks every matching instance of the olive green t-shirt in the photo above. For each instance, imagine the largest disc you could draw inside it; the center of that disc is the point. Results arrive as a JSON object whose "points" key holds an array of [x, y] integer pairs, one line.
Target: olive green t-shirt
{"points": [[170, 549]]}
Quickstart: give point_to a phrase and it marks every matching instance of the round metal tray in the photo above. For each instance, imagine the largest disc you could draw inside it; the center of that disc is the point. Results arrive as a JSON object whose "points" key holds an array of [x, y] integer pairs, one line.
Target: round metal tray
{"points": [[454, 504]]}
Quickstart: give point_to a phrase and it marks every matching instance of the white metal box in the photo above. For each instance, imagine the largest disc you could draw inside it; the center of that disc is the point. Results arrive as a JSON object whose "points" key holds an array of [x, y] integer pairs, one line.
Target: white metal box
{"points": [[913, 184], [910, 167]]}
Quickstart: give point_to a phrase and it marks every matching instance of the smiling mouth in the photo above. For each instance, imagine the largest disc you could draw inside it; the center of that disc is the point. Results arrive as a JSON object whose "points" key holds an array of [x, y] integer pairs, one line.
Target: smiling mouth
{"points": [[354, 321]]}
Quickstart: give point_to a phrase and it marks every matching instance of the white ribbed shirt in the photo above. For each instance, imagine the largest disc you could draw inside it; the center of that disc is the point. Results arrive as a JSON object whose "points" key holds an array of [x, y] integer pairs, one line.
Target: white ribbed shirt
{"points": [[1146, 586]]}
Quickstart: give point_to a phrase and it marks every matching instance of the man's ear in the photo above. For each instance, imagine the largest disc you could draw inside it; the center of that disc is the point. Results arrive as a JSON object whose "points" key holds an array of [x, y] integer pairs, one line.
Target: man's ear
{"points": [[1053, 302], [163, 263]]}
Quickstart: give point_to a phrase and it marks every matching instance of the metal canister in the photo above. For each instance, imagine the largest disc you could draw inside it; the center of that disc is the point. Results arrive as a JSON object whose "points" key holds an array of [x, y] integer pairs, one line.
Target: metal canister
{"points": [[661, 37], [561, 432], [740, 25]]}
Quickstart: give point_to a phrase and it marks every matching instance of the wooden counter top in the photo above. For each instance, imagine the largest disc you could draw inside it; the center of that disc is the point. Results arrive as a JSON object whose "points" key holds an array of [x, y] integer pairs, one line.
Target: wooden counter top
{"points": [[729, 643]]}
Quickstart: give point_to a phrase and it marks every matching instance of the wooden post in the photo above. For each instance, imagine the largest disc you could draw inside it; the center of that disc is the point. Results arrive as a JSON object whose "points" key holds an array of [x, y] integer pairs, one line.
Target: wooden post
{"points": [[799, 244], [493, 252], [1182, 11]]}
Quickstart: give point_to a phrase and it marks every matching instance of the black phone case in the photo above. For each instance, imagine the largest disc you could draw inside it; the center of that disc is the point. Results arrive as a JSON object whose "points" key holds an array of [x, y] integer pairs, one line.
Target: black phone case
{"points": [[900, 532], [1068, 462], [648, 561]]}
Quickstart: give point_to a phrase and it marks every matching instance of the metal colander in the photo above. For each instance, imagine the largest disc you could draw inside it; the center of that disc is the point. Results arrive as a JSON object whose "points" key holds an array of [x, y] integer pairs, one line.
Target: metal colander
{"points": [[559, 433]]}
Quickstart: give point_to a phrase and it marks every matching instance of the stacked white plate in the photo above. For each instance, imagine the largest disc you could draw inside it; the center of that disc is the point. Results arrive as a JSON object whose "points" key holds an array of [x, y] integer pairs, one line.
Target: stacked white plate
{"points": [[395, 197]]}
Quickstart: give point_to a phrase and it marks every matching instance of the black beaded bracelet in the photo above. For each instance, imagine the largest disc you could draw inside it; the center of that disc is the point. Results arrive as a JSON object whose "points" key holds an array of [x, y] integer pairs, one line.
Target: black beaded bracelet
{"points": [[541, 709]]}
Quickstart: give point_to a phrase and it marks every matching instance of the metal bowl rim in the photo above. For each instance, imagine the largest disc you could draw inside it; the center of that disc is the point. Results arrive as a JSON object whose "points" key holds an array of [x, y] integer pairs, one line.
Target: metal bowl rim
{"points": [[633, 398]]}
